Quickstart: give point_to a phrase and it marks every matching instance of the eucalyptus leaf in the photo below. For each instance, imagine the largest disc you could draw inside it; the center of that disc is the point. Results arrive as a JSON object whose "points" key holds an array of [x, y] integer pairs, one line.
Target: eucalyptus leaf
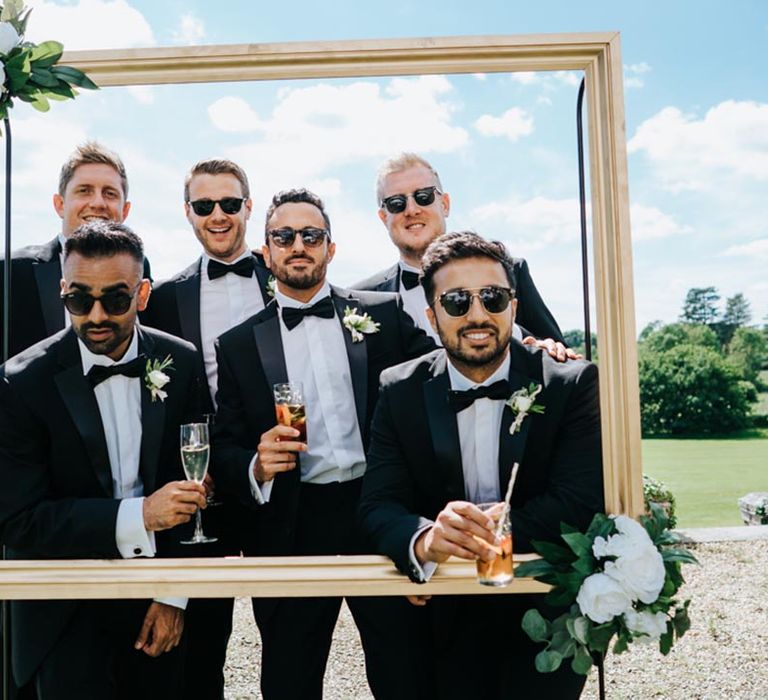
{"points": [[43, 77], [534, 569], [681, 622], [622, 644], [581, 626], [680, 555], [582, 661], [74, 77], [579, 543], [535, 626], [665, 641], [46, 54], [553, 553], [40, 102], [548, 661]]}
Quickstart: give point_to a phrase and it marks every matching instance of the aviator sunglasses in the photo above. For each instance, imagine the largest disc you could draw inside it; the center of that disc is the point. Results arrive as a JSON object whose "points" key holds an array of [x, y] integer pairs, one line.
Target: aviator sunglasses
{"points": [[205, 207], [458, 301], [397, 203], [114, 303], [310, 236]]}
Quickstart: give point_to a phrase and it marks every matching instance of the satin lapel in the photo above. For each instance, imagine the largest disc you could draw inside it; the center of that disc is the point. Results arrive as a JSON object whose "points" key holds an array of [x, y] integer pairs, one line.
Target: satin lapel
{"points": [[77, 395], [358, 358], [444, 430], [152, 420], [270, 346], [512, 447], [393, 281], [48, 278], [262, 275], [188, 303]]}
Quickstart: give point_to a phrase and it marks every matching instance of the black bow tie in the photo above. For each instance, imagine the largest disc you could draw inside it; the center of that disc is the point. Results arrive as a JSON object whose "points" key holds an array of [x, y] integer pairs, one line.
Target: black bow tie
{"points": [[459, 400], [293, 317], [98, 373], [243, 267], [409, 279]]}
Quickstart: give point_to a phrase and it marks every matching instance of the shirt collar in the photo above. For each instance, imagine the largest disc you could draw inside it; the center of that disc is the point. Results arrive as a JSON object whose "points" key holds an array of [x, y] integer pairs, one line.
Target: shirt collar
{"points": [[408, 268], [62, 240], [284, 301], [89, 359], [461, 383]]}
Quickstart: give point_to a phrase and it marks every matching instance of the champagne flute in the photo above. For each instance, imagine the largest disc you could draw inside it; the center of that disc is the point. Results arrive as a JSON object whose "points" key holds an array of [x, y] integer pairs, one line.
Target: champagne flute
{"points": [[195, 451]]}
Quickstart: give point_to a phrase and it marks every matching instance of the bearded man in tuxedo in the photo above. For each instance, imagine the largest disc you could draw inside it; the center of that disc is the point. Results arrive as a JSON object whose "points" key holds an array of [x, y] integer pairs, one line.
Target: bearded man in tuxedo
{"points": [[89, 455], [441, 443], [304, 494]]}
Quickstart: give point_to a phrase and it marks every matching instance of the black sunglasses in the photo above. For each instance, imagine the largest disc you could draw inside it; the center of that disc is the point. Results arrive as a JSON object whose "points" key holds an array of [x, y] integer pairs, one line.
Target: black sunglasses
{"points": [[310, 236], [457, 302], [397, 203], [114, 303], [205, 207]]}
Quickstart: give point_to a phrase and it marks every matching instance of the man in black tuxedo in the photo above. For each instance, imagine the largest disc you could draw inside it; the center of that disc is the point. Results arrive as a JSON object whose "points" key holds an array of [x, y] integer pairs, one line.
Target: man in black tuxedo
{"points": [[89, 455], [92, 186], [224, 286], [413, 207], [305, 494], [441, 443]]}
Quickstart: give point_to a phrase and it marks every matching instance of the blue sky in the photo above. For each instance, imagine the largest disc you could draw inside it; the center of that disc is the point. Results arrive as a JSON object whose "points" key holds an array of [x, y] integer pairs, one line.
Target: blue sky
{"points": [[696, 115]]}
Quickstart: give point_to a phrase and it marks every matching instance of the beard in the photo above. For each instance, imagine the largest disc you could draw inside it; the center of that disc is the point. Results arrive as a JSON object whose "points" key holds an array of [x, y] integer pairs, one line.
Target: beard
{"points": [[294, 279], [470, 357], [103, 347]]}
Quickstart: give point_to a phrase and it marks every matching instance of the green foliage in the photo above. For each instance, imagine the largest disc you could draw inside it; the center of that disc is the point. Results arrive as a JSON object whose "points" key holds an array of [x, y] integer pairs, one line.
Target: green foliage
{"points": [[690, 390], [748, 353], [656, 492], [31, 73], [662, 338], [574, 339], [700, 305]]}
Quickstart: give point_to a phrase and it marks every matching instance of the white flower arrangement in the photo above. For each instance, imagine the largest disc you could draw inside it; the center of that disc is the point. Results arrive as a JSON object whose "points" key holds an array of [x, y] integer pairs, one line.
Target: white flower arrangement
{"points": [[155, 377], [358, 325], [522, 402], [617, 579]]}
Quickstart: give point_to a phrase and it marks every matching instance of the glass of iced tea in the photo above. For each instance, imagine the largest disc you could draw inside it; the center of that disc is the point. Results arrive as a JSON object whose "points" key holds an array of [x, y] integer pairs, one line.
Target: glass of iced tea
{"points": [[289, 407], [497, 572]]}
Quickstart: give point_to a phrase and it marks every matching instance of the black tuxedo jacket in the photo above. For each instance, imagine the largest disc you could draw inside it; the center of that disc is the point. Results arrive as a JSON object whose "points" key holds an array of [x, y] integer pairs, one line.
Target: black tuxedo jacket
{"points": [[414, 460], [57, 500], [532, 313], [174, 305], [251, 360], [37, 311]]}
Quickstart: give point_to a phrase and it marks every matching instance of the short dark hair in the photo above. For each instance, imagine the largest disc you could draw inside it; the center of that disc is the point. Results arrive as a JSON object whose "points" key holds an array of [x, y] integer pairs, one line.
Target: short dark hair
{"points": [[460, 245], [86, 154], [300, 194], [217, 166], [103, 239]]}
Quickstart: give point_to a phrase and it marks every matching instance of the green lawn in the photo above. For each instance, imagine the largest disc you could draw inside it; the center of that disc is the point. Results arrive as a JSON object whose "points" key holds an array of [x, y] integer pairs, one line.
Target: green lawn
{"points": [[708, 476]]}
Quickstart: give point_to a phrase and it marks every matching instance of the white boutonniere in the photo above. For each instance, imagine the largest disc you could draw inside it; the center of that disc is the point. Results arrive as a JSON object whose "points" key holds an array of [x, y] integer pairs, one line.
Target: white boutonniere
{"points": [[155, 377], [522, 402], [358, 325], [271, 286]]}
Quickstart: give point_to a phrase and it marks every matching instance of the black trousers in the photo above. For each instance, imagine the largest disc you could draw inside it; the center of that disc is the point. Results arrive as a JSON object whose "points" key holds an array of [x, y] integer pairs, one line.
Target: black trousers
{"points": [[297, 632], [94, 659]]}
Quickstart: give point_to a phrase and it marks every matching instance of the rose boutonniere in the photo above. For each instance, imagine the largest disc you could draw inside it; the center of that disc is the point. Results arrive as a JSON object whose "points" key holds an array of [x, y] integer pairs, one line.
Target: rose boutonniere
{"points": [[522, 402], [271, 286], [358, 325], [155, 377]]}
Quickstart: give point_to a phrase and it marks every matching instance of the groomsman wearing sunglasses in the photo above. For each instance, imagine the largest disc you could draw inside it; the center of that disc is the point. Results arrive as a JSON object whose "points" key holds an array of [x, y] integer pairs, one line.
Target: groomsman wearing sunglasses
{"points": [[224, 286], [305, 494], [413, 206], [89, 459], [441, 443], [93, 186]]}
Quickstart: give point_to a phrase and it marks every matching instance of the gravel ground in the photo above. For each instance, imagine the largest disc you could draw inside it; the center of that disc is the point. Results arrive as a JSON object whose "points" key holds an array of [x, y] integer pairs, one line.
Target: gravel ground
{"points": [[724, 656]]}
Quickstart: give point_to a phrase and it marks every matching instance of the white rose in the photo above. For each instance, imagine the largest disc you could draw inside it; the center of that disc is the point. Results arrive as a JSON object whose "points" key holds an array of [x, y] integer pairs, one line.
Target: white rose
{"points": [[524, 403], [9, 38], [601, 598], [640, 570], [3, 89], [646, 623], [158, 379], [632, 529]]}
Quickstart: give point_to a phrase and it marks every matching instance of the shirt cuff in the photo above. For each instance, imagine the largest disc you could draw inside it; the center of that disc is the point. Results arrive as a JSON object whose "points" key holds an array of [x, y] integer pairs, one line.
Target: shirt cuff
{"points": [[131, 537], [180, 603], [422, 572], [260, 493], [517, 334]]}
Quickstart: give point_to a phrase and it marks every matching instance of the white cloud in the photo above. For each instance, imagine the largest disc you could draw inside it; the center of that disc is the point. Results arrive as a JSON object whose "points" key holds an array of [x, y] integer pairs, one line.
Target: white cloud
{"points": [[191, 30], [526, 77], [754, 249], [549, 80], [143, 94], [650, 222], [120, 25], [311, 129], [633, 73], [731, 140], [482, 77], [513, 124]]}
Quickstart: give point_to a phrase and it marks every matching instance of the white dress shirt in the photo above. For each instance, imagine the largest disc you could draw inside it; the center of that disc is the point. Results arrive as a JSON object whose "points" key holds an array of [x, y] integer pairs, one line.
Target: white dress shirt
{"points": [[224, 302], [119, 402], [479, 427], [415, 305], [316, 355]]}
